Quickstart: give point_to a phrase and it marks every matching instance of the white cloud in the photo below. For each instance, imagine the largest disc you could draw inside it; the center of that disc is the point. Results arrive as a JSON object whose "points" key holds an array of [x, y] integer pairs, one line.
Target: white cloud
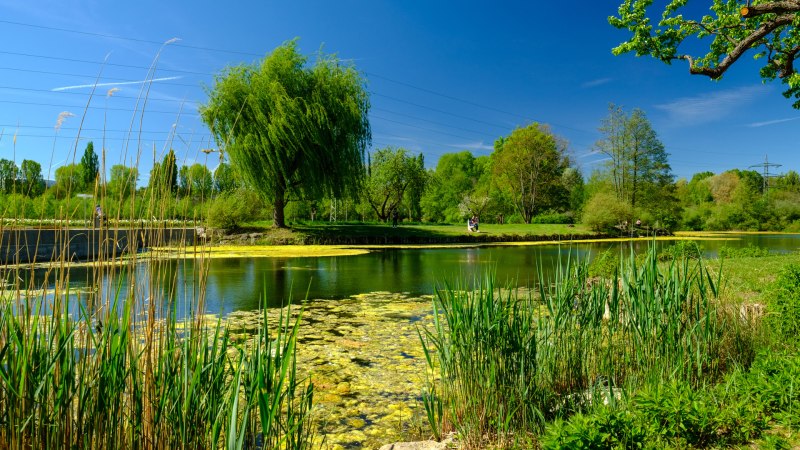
{"points": [[472, 146], [771, 122], [595, 83], [118, 83], [711, 107]]}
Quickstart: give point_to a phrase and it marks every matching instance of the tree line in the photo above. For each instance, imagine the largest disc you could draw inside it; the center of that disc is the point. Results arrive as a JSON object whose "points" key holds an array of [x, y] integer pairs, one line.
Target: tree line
{"points": [[297, 137]]}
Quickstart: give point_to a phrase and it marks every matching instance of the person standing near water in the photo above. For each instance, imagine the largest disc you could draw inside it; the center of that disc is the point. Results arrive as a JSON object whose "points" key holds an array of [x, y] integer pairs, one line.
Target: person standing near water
{"points": [[394, 218], [98, 216]]}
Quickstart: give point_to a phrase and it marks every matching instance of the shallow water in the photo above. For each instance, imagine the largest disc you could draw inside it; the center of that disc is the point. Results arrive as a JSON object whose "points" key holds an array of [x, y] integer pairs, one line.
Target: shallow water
{"points": [[364, 358]]}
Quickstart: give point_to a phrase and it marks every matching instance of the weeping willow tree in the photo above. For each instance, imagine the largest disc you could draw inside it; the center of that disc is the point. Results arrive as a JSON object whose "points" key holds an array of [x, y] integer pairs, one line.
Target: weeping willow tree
{"points": [[291, 128]]}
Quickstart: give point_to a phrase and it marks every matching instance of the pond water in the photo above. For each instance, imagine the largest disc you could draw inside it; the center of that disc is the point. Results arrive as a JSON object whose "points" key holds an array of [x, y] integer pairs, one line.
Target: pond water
{"points": [[359, 341], [242, 284]]}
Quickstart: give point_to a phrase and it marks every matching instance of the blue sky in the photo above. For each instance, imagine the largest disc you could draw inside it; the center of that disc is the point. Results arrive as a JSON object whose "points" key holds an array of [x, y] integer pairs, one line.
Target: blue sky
{"points": [[444, 77]]}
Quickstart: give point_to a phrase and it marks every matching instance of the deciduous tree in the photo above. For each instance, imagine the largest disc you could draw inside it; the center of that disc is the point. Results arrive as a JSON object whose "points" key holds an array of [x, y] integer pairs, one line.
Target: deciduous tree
{"points": [[122, 182], [290, 127], [391, 172], [69, 180], [89, 168], [528, 166], [637, 162], [8, 175], [31, 180], [734, 27]]}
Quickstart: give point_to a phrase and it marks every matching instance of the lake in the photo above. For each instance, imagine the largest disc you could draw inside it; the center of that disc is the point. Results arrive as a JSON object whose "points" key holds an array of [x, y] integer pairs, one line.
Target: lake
{"points": [[242, 284]]}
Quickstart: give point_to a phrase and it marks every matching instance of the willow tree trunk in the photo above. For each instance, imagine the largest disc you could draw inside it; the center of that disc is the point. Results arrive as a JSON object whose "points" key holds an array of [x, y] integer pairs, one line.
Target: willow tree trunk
{"points": [[278, 220]]}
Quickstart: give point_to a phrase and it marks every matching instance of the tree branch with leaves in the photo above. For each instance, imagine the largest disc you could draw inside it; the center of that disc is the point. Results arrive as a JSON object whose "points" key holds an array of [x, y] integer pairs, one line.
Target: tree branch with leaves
{"points": [[770, 28]]}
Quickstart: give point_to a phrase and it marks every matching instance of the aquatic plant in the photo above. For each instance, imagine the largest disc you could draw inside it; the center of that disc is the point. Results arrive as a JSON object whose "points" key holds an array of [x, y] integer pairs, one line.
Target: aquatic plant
{"points": [[124, 362], [506, 363]]}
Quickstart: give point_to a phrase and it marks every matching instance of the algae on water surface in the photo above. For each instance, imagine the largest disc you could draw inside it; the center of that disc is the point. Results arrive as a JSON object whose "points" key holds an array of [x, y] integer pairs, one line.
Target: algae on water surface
{"points": [[364, 358]]}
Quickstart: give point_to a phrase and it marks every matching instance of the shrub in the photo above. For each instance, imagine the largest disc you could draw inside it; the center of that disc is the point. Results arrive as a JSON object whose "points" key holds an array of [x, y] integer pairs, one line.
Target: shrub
{"points": [[605, 264], [603, 428], [786, 303], [230, 210], [554, 217], [681, 250], [751, 251], [604, 211]]}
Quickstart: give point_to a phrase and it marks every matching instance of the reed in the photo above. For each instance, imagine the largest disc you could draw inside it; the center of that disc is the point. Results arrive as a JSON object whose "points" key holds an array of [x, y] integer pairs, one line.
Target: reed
{"points": [[124, 360], [505, 363]]}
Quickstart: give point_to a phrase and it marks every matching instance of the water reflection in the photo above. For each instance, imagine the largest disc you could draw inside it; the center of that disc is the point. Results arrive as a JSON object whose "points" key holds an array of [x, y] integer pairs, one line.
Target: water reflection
{"points": [[249, 283]]}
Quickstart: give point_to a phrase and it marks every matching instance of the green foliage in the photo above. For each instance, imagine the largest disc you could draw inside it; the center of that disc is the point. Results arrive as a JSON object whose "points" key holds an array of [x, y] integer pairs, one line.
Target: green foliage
{"points": [[730, 30], [224, 178], [673, 415], [604, 211], [554, 217], [457, 175], [501, 383], [87, 381], [785, 304], [198, 182], [751, 251], [391, 172], [289, 128], [231, 209], [682, 249], [122, 182], [604, 428], [31, 182], [8, 176], [528, 165], [638, 167], [606, 264], [164, 175], [89, 168], [69, 181], [508, 364]]}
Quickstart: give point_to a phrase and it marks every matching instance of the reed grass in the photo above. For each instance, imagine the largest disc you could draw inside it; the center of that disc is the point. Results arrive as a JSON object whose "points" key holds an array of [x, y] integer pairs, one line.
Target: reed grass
{"points": [[503, 364], [123, 362]]}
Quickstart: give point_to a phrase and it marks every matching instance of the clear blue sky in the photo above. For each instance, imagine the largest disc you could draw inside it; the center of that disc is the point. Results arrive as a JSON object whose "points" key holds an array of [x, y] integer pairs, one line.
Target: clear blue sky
{"points": [[444, 77]]}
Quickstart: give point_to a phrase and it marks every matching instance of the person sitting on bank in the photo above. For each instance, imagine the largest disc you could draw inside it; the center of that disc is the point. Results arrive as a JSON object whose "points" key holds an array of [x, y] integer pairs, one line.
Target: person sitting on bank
{"points": [[470, 225], [475, 224]]}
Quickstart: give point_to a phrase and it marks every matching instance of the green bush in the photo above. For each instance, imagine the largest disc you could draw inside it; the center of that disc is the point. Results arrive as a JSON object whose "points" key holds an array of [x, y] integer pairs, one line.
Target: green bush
{"points": [[603, 428], [606, 264], [751, 251], [681, 250], [785, 305], [231, 210], [554, 217], [603, 212]]}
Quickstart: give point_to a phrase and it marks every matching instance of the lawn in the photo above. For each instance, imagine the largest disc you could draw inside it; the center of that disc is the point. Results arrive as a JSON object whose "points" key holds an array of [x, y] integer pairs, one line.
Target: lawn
{"points": [[354, 229]]}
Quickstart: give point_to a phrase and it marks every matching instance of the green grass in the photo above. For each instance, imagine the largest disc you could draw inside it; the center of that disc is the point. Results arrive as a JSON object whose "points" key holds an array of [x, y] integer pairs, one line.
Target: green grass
{"points": [[376, 230], [508, 365]]}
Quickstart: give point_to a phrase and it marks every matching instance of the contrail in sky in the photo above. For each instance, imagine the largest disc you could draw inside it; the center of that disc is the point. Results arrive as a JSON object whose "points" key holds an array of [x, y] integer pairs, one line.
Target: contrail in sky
{"points": [[119, 83]]}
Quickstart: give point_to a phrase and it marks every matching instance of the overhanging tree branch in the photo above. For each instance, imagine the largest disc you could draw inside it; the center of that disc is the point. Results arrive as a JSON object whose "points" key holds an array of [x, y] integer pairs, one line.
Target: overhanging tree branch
{"points": [[741, 47]]}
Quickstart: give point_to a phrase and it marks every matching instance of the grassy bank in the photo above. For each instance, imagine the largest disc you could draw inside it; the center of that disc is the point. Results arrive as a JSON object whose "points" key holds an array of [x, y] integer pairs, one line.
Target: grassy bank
{"points": [[371, 234], [676, 355]]}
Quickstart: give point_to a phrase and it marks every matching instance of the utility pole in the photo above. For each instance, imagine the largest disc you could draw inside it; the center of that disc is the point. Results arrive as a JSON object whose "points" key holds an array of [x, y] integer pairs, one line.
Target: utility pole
{"points": [[765, 172]]}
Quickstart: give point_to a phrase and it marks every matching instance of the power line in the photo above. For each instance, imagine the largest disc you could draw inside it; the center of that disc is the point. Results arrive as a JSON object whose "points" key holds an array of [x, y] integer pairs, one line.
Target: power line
{"points": [[122, 38], [83, 61], [369, 73]]}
